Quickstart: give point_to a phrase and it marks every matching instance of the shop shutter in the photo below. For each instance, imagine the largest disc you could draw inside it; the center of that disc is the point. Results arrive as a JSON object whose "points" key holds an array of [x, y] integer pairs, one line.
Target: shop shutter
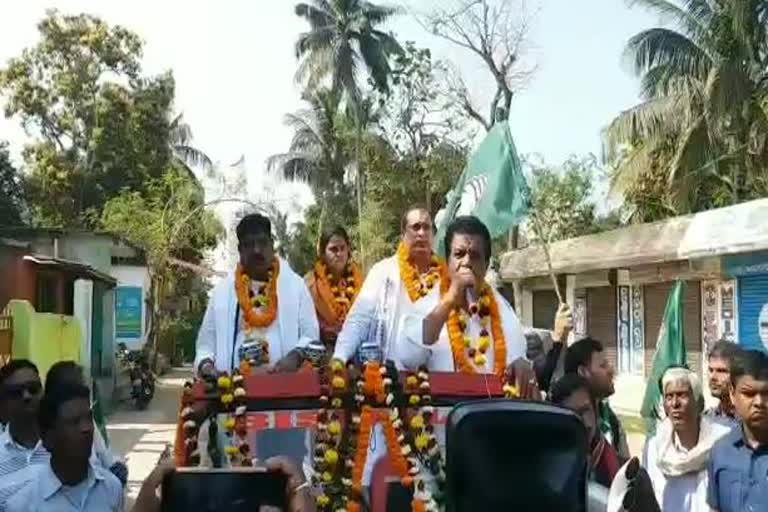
{"points": [[655, 301], [753, 297], [601, 319], [544, 309]]}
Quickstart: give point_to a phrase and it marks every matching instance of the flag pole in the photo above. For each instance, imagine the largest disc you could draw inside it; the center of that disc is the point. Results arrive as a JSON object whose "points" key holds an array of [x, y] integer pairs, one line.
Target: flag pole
{"points": [[544, 244]]}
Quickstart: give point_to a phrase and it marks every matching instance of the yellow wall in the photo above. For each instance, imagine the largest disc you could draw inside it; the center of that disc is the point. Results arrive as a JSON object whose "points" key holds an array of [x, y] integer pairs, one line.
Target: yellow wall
{"points": [[43, 338]]}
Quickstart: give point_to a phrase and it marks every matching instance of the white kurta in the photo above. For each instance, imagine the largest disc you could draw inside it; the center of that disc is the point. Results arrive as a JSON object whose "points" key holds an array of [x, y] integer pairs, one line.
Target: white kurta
{"points": [[295, 326], [412, 352], [377, 314], [680, 493], [379, 310]]}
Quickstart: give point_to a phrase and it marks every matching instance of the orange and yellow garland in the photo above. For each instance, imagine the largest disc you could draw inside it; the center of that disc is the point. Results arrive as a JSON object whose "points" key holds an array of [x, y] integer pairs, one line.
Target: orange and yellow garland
{"points": [[258, 311], [339, 295], [416, 284], [461, 344]]}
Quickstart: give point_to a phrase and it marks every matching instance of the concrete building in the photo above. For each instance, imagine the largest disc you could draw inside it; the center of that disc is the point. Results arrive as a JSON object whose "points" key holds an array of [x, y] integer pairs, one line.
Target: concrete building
{"points": [[93, 277], [617, 283]]}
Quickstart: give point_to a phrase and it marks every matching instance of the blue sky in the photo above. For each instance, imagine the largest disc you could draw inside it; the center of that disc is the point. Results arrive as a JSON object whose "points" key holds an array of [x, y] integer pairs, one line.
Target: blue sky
{"points": [[233, 63]]}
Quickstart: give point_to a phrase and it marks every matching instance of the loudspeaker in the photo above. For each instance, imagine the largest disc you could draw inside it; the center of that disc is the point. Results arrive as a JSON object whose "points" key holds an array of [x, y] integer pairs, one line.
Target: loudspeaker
{"points": [[515, 456]]}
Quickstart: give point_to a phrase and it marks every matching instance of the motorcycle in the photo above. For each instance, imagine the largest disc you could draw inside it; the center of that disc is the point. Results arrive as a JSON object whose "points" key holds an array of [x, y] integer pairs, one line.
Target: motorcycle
{"points": [[142, 379]]}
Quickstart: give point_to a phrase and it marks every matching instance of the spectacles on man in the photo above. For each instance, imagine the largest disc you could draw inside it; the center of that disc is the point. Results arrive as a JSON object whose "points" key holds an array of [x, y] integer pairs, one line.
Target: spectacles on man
{"points": [[16, 391]]}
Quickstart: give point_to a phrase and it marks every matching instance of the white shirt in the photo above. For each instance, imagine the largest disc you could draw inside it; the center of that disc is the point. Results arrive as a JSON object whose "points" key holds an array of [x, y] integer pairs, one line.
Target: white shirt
{"points": [[687, 493], [101, 491], [18, 465], [377, 317], [295, 325], [412, 352], [378, 312]]}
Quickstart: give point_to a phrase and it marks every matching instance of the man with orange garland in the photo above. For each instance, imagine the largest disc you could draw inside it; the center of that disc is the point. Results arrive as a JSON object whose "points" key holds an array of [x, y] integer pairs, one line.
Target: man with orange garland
{"points": [[406, 283], [472, 328], [406, 288], [333, 283], [262, 314]]}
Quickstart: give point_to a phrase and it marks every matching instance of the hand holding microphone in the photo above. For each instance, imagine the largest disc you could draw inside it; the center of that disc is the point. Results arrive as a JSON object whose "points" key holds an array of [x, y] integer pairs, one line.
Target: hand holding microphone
{"points": [[462, 289]]}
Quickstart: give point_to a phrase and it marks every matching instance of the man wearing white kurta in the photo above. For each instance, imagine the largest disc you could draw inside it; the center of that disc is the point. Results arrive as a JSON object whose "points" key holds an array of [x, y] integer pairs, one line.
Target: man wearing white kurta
{"points": [[222, 333], [373, 326], [375, 318], [426, 339], [225, 338]]}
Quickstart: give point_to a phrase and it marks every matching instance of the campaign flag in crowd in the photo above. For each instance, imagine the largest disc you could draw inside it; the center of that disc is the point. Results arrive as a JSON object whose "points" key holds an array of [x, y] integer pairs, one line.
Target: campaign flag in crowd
{"points": [[492, 187], [670, 351]]}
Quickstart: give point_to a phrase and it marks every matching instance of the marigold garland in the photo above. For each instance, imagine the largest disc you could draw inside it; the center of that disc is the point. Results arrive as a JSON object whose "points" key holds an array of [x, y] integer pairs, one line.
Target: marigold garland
{"points": [[260, 310], [461, 348], [233, 400], [416, 284], [344, 290], [367, 418], [423, 438]]}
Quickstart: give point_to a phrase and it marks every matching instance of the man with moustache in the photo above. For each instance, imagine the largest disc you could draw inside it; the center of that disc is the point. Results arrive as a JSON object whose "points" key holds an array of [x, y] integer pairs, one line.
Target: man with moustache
{"points": [[738, 465], [262, 314]]}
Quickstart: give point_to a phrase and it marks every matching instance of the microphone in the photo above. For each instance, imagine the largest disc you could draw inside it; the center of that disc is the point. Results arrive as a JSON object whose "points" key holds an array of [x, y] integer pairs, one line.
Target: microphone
{"points": [[471, 297]]}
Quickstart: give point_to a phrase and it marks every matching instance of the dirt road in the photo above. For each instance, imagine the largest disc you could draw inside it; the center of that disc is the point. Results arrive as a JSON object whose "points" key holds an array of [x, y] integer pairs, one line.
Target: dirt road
{"points": [[141, 436]]}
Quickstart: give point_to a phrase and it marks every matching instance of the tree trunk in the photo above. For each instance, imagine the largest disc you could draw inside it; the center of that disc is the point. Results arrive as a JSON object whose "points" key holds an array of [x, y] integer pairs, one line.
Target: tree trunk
{"points": [[359, 193], [157, 284]]}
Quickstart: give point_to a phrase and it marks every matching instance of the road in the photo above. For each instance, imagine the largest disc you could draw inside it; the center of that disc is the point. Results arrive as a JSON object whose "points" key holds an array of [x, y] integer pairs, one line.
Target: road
{"points": [[141, 436]]}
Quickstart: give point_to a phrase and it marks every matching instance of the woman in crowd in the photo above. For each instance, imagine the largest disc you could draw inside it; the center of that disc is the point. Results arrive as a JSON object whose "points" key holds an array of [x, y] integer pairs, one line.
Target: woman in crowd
{"points": [[334, 284], [572, 391], [677, 456]]}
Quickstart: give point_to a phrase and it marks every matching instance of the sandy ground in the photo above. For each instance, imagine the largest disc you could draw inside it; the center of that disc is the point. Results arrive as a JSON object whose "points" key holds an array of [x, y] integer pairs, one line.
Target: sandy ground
{"points": [[141, 436]]}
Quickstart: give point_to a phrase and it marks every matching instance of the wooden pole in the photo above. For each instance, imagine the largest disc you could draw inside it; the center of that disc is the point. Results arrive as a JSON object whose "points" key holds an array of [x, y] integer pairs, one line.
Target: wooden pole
{"points": [[544, 244]]}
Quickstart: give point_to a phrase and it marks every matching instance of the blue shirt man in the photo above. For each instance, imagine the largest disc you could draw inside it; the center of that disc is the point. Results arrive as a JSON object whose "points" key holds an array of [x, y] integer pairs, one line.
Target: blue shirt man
{"points": [[101, 490], [69, 482], [738, 465]]}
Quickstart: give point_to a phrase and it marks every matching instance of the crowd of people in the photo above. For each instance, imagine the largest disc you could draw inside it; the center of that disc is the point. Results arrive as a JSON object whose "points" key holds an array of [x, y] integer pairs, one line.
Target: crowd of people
{"points": [[416, 309]]}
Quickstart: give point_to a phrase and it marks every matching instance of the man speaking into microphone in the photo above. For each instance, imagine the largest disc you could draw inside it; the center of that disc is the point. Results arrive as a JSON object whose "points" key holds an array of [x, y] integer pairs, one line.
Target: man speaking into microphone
{"points": [[473, 329]]}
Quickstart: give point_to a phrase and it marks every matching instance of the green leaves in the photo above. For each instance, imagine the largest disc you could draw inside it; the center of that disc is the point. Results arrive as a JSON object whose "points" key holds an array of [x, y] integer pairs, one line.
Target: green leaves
{"points": [[703, 125]]}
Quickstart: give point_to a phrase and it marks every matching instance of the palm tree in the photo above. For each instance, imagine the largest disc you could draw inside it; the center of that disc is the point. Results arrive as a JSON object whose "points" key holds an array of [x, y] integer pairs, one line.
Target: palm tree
{"points": [[317, 153], [184, 153], [342, 35], [703, 116]]}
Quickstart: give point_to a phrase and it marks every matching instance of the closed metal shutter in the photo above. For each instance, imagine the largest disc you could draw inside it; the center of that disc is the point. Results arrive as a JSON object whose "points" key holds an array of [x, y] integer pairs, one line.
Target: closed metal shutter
{"points": [[601, 319], [544, 309], [753, 299], [655, 302]]}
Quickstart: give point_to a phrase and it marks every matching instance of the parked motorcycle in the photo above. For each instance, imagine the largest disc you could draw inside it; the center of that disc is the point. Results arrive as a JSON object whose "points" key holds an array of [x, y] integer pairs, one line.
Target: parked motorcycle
{"points": [[142, 379]]}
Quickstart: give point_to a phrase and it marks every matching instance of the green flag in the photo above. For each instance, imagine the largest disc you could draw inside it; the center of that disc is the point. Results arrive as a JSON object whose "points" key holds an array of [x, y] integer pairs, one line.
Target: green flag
{"points": [[670, 351], [492, 187]]}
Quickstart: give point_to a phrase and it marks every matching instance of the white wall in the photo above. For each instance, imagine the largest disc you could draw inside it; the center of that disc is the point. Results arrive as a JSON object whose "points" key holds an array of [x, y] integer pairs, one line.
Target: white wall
{"points": [[130, 275]]}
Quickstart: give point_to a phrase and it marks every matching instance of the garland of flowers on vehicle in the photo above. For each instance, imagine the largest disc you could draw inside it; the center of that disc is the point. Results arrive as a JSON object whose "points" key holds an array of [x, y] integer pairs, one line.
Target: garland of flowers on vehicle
{"points": [[333, 479], [343, 289], [233, 401], [468, 354], [260, 308], [185, 447], [416, 284]]}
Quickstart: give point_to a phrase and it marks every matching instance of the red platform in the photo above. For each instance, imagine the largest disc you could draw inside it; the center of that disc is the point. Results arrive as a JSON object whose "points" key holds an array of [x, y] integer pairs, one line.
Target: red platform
{"points": [[280, 391]]}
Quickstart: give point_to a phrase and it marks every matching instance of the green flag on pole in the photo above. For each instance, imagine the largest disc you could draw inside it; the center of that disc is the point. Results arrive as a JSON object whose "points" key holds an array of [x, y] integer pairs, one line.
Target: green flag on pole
{"points": [[492, 187], [670, 351]]}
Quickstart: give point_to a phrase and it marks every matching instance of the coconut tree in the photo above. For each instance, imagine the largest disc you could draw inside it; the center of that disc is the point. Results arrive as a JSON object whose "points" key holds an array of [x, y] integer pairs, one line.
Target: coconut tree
{"points": [[317, 153], [342, 42], [183, 151], [703, 115]]}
